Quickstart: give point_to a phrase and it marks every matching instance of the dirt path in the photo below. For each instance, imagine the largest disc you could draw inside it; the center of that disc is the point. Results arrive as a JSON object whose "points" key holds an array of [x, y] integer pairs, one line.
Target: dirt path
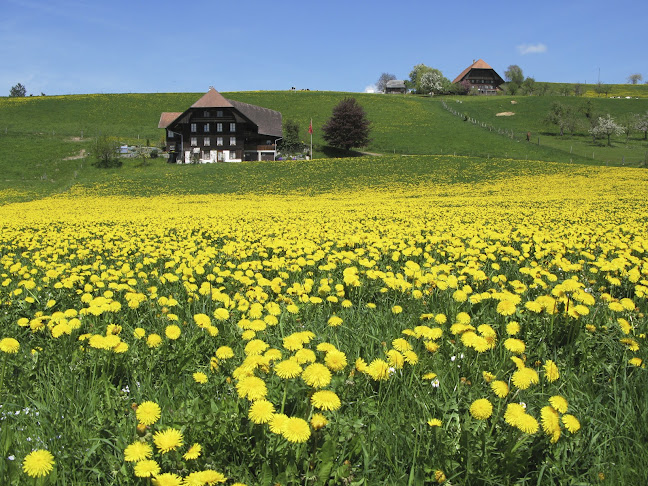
{"points": [[82, 154]]}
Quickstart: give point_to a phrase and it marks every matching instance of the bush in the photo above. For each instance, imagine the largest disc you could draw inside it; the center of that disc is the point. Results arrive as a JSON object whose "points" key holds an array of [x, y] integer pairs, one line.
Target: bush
{"points": [[105, 153], [154, 154]]}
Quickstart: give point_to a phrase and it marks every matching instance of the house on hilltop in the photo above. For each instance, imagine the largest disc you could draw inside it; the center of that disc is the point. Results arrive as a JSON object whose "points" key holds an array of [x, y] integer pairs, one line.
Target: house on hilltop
{"points": [[481, 77], [215, 129], [395, 86]]}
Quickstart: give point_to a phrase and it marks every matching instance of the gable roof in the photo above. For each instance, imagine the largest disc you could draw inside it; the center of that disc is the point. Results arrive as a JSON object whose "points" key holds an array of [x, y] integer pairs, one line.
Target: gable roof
{"points": [[267, 121], [395, 83], [212, 99], [480, 64], [167, 118]]}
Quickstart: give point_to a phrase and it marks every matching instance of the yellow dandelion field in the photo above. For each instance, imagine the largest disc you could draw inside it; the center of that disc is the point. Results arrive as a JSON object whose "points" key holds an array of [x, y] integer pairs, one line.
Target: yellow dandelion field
{"points": [[396, 331]]}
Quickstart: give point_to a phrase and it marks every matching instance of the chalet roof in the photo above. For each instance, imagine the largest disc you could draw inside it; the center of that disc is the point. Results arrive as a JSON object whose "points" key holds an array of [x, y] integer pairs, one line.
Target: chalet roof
{"points": [[395, 83], [212, 99], [167, 118], [480, 64], [268, 121]]}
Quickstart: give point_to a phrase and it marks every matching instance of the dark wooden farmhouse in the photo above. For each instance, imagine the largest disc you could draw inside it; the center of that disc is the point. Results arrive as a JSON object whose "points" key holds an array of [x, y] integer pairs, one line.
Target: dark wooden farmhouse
{"points": [[215, 129], [395, 86], [481, 77]]}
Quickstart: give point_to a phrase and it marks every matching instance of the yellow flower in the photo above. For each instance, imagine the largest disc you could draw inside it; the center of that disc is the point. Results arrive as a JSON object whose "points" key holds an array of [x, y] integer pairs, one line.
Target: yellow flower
{"points": [[524, 378], [559, 403], [316, 375], [277, 423], [252, 388], [146, 468], [288, 368], [434, 422], [397, 309], [395, 359], [550, 423], [512, 328], [506, 308], [193, 452], [261, 412], [200, 377], [318, 421], [500, 388], [172, 332], [296, 430], [635, 361], [167, 479], [378, 370], [202, 320], [148, 413], [168, 440], [551, 371], [38, 463], [9, 345], [571, 423], [325, 400], [481, 409], [439, 476], [335, 360], [515, 345], [221, 314], [153, 340], [224, 352], [334, 321], [137, 451]]}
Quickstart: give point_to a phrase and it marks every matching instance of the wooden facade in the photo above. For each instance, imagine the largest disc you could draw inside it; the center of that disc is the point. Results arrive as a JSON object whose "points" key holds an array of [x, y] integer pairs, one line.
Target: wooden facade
{"points": [[482, 77], [215, 129]]}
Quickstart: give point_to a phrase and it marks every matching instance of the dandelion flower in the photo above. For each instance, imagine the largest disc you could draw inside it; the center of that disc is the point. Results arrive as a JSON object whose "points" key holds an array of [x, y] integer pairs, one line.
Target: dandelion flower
{"points": [[524, 378], [395, 359], [500, 388], [288, 368], [153, 340], [512, 328], [256, 346], [209, 476], [146, 468], [326, 400], [168, 440], [411, 357], [200, 377], [296, 430], [559, 403], [318, 421], [506, 307], [635, 361], [335, 360], [277, 423], [167, 479], [361, 365], [172, 332], [193, 452], [316, 375], [431, 346], [202, 320], [550, 423], [434, 422], [439, 476], [481, 409], [571, 423], [305, 355], [252, 388], [261, 411], [551, 371], [527, 424], [38, 463], [224, 352], [9, 345], [378, 370], [148, 413], [137, 451], [221, 314], [514, 345], [334, 321]]}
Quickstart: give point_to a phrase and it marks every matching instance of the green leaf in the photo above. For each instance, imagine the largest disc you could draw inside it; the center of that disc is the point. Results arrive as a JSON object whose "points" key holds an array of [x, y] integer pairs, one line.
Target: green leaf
{"points": [[327, 458]]}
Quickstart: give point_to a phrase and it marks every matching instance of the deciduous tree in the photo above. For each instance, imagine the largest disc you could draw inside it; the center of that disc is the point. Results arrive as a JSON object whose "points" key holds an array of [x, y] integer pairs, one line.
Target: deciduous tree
{"points": [[563, 116], [18, 91], [606, 126], [348, 126], [635, 78], [641, 124]]}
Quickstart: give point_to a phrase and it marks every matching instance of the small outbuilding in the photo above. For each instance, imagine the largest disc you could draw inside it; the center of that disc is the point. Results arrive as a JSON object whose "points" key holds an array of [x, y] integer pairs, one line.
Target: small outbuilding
{"points": [[395, 86], [482, 77]]}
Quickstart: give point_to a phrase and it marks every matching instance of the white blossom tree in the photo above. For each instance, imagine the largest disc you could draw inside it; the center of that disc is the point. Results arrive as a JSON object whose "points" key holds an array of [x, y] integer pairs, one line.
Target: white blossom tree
{"points": [[431, 82], [606, 126], [641, 124]]}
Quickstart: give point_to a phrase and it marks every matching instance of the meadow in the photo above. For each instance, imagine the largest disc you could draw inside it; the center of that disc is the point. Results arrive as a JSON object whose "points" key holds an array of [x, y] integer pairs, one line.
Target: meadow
{"points": [[434, 320]]}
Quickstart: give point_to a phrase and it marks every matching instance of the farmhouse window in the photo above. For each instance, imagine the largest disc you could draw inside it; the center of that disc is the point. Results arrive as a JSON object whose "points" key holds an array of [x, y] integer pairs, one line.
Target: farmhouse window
{"points": [[219, 114], [194, 141], [206, 128], [206, 142], [193, 128], [219, 127], [232, 140], [170, 134], [232, 127], [219, 141], [205, 114]]}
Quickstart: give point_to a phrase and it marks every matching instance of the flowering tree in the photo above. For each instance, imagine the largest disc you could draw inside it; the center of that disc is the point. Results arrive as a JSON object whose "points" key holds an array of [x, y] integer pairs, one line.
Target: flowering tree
{"points": [[605, 126], [431, 82], [348, 126], [641, 124]]}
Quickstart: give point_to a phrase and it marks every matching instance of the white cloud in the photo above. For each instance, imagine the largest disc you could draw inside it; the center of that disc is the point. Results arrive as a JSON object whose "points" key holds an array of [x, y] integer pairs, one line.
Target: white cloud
{"points": [[532, 48], [370, 89]]}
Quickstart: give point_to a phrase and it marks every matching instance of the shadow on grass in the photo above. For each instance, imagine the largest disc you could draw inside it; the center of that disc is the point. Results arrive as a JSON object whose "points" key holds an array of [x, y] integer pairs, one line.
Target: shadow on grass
{"points": [[338, 152]]}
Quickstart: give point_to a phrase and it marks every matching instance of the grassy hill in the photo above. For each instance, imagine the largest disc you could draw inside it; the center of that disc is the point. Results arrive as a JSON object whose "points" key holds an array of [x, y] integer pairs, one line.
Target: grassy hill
{"points": [[42, 139]]}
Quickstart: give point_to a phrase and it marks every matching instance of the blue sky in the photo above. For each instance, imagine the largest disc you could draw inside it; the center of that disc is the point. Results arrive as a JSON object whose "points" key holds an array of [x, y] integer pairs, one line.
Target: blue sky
{"points": [[74, 46]]}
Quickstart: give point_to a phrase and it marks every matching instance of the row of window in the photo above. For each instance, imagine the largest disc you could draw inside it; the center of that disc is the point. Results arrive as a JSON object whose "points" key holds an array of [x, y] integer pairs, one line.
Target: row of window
{"points": [[207, 141], [207, 127]]}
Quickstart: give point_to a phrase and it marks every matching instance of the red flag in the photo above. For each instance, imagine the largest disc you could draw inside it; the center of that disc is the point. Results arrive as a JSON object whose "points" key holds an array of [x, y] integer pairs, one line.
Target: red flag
{"points": [[310, 127]]}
